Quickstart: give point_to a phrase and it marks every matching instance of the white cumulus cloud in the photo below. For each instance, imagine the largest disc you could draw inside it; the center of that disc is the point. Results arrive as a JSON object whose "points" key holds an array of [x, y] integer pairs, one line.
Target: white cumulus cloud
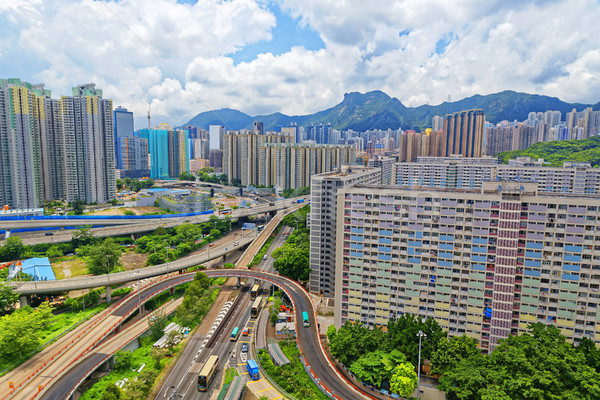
{"points": [[177, 56]]}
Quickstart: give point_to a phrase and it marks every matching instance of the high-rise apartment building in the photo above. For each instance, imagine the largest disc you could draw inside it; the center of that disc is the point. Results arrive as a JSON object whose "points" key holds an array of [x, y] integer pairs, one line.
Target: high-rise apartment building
{"points": [[133, 153], [89, 145], [323, 197], [199, 148], [292, 131], [484, 263], [215, 158], [169, 151], [241, 154], [55, 149], [470, 173], [444, 172], [259, 127], [216, 133], [291, 165], [463, 133], [20, 144], [413, 144], [386, 164], [123, 127]]}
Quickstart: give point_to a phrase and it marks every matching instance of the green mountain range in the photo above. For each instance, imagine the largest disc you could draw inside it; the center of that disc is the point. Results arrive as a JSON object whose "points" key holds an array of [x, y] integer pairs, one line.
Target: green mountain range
{"points": [[377, 110], [555, 153]]}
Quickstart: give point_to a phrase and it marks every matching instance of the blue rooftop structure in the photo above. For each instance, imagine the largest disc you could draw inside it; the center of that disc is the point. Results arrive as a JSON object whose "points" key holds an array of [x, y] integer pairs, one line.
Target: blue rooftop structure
{"points": [[39, 269]]}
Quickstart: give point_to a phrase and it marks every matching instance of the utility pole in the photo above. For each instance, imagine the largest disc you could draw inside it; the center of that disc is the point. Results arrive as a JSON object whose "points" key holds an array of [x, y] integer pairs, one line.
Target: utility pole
{"points": [[139, 295], [420, 335]]}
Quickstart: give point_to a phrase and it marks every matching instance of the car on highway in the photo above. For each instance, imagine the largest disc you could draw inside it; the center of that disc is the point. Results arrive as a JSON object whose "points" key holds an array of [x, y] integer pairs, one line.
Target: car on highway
{"points": [[236, 243], [211, 245], [244, 347], [245, 332], [265, 257]]}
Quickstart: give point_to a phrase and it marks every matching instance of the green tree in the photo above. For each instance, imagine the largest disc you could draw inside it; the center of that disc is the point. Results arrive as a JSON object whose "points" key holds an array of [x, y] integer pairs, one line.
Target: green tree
{"points": [[83, 236], [592, 355], [158, 325], [7, 298], [377, 366], [21, 331], [161, 231], [78, 207], [353, 340], [111, 392], [202, 279], [404, 380], [188, 232], [295, 264], [54, 252], [186, 176], [536, 365], [12, 250], [402, 335], [123, 360], [450, 352], [157, 356], [102, 259]]}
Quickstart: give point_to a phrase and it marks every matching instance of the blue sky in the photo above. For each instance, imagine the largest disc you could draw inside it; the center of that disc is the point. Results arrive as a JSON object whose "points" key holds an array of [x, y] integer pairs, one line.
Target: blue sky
{"points": [[264, 56], [287, 33]]}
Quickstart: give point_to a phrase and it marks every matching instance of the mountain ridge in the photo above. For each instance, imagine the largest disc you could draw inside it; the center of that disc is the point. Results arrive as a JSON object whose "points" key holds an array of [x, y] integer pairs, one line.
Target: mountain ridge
{"points": [[377, 110]]}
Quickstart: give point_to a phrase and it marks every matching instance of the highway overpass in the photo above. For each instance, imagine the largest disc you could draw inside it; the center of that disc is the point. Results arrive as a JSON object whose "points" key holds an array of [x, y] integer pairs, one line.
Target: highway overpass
{"points": [[30, 222], [86, 282], [311, 348]]}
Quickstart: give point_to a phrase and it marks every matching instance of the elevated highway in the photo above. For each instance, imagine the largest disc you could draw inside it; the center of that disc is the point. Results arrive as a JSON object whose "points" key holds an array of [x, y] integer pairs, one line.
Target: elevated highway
{"points": [[86, 282], [74, 220], [308, 339]]}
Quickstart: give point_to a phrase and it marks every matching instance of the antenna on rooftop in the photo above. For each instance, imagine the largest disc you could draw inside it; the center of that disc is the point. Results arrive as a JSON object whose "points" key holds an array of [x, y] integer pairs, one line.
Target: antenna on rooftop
{"points": [[149, 107]]}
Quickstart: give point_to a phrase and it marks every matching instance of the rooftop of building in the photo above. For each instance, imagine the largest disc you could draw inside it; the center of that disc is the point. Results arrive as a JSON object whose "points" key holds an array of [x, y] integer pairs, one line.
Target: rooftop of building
{"points": [[490, 187], [347, 171]]}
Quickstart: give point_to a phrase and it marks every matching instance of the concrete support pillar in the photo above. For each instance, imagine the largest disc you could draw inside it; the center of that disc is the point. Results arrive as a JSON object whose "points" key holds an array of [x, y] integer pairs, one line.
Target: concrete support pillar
{"points": [[108, 294], [132, 236], [224, 257], [107, 366], [171, 290], [239, 282], [24, 300]]}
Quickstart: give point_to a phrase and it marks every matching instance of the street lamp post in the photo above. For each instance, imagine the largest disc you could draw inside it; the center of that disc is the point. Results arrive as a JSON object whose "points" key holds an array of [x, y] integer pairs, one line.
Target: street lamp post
{"points": [[420, 335], [167, 251], [139, 295]]}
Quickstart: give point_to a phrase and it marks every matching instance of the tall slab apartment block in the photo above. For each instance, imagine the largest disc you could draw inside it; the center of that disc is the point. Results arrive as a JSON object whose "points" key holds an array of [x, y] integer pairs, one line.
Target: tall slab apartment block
{"points": [[323, 206], [485, 263]]}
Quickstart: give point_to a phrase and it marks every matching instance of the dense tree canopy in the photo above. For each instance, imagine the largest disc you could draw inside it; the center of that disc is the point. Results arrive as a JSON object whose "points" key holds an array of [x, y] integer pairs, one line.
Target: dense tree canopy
{"points": [[103, 258], [555, 153], [536, 365], [12, 249], [22, 330]]}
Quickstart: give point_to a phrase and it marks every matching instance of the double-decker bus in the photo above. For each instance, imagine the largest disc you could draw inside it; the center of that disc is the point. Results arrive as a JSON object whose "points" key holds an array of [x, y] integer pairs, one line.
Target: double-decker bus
{"points": [[235, 334], [208, 372], [256, 307], [260, 227], [305, 320], [254, 291]]}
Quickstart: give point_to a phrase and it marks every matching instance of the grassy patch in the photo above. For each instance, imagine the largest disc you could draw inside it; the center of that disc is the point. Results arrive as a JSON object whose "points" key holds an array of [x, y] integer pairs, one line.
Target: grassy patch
{"points": [[218, 281], [68, 267], [263, 250], [292, 377], [229, 375]]}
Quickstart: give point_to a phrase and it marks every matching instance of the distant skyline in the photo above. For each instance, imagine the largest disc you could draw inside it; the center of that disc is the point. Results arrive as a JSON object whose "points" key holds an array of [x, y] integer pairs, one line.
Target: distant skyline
{"points": [[261, 56]]}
